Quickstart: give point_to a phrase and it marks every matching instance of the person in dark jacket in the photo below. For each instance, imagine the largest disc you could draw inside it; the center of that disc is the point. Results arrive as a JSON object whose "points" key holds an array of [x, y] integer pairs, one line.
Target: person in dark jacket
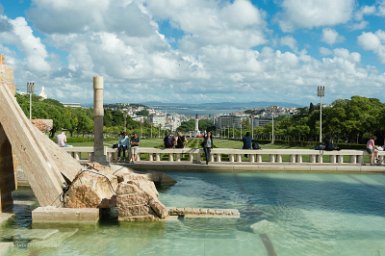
{"points": [[247, 141]]}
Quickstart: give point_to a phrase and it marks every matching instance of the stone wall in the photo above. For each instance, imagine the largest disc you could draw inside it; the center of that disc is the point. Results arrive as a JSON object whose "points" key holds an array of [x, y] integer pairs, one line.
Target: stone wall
{"points": [[7, 176]]}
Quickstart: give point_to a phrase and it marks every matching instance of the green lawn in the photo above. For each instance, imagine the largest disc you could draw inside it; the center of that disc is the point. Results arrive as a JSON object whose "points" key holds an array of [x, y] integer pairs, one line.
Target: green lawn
{"points": [[192, 143]]}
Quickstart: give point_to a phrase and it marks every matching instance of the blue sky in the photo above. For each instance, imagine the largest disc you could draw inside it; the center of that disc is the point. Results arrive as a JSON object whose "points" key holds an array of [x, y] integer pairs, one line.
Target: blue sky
{"points": [[197, 51]]}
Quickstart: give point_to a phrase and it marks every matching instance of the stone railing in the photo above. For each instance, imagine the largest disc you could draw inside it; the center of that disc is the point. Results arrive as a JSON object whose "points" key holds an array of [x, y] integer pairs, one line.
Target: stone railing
{"points": [[227, 155]]}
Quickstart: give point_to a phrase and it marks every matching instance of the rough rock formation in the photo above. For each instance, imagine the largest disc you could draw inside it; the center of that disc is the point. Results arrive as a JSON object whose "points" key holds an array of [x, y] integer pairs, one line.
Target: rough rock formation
{"points": [[44, 125], [134, 195]]}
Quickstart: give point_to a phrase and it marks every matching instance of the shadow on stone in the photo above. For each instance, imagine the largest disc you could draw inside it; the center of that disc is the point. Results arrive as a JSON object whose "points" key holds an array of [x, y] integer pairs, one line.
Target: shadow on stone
{"points": [[161, 180]]}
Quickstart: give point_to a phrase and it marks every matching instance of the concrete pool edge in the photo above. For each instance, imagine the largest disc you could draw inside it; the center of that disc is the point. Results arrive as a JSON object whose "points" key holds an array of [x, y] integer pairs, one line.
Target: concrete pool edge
{"points": [[245, 167]]}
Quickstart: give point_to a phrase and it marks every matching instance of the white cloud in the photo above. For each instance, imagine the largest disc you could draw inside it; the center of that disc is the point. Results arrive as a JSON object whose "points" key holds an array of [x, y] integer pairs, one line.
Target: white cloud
{"points": [[330, 36], [325, 51], [18, 33], [289, 41], [239, 23], [360, 25], [374, 42], [217, 56], [314, 13], [364, 11], [369, 41], [381, 8], [89, 15]]}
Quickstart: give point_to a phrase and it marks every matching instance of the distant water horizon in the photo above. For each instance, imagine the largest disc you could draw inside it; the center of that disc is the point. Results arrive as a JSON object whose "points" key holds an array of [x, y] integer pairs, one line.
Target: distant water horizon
{"points": [[205, 109], [191, 109]]}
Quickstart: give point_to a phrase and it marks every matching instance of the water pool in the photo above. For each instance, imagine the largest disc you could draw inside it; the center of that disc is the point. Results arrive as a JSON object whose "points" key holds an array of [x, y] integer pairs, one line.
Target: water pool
{"points": [[281, 214]]}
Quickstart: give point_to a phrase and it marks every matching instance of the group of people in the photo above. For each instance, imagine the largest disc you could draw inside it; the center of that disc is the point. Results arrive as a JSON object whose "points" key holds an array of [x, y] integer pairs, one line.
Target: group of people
{"points": [[129, 144], [208, 143], [174, 141]]}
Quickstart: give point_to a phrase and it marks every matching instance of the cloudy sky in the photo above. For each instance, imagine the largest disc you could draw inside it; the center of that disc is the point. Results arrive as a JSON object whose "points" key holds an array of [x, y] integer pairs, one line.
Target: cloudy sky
{"points": [[197, 50]]}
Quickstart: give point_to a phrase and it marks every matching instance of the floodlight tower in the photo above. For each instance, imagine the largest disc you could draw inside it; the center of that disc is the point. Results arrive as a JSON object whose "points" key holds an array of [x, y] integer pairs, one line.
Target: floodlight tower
{"points": [[320, 94]]}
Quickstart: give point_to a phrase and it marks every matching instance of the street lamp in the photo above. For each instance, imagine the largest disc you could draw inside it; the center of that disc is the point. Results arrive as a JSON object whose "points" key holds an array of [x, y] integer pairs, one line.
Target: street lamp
{"points": [[125, 114], [320, 94], [252, 126], [30, 87], [240, 136], [273, 109], [272, 128]]}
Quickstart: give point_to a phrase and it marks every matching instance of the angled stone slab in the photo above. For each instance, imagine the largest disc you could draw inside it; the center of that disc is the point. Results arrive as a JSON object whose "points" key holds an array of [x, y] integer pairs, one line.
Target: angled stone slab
{"points": [[54, 241], [46, 215], [45, 179], [43, 162], [5, 248], [4, 217], [30, 234]]}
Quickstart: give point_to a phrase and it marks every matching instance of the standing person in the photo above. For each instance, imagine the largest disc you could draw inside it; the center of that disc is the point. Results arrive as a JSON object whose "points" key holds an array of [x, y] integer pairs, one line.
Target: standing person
{"points": [[247, 142], [207, 145], [134, 146], [168, 141], [123, 145], [371, 149]]}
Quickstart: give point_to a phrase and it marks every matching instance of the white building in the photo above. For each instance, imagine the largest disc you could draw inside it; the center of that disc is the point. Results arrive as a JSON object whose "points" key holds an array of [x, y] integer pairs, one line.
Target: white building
{"points": [[43, 94], [158, 120]]}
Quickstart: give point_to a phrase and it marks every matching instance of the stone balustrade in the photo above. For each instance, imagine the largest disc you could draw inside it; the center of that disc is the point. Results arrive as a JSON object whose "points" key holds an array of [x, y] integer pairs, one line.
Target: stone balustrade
{"points": [[228, 155]]}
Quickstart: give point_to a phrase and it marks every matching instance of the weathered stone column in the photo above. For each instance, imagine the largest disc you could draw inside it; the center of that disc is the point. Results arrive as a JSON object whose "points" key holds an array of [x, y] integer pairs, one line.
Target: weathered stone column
{"points": [[99, 155], [7, 177], [6, 75]]}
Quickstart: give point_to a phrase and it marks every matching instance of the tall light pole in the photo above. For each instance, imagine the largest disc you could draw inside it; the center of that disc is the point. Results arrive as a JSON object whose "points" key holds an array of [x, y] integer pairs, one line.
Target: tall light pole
{"points": [[252, 126], [30, 87], [240, 136], [320, 94], [125, 113], [272, 128]]}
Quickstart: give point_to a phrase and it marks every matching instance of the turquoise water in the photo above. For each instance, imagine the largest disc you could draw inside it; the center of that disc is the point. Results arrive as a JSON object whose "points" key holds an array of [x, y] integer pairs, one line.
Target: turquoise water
{"points": [[281, 214]]}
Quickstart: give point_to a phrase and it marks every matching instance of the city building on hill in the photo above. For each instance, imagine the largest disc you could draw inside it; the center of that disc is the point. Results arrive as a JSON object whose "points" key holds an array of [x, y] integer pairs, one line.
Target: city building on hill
{"points": [[227, 121], [158, 120], [72, 105]]}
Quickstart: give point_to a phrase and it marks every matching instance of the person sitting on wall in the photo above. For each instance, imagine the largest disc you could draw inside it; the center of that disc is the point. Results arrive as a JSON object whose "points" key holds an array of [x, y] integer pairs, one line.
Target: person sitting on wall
{"points": [[123, 144], [62, 140], [134, 146]]}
